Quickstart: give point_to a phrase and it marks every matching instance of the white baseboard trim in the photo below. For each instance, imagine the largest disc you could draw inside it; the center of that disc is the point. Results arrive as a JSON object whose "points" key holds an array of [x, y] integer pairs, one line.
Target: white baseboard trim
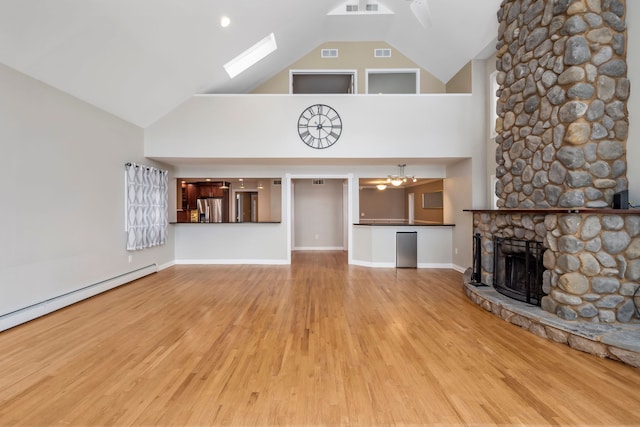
{"points": [[435, 265], [420, 265], [34, 311], [233, 261], [459, 269], [373, 264], [166, 265]]}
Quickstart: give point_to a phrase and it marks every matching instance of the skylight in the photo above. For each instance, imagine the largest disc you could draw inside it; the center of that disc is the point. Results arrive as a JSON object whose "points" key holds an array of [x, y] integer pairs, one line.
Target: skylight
{"points": [[250, 56]]}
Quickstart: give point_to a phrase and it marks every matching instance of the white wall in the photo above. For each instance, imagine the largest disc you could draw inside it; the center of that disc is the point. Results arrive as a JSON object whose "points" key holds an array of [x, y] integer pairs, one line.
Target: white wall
{"points": [[62, 195], [374, 127], [468, 181], [231, 243], [457, 197], [375, 246]]}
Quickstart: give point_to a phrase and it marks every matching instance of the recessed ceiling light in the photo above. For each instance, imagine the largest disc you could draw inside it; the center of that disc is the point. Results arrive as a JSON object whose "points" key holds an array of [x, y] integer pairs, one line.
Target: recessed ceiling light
{"points": [[225, 21], [250, 56]]}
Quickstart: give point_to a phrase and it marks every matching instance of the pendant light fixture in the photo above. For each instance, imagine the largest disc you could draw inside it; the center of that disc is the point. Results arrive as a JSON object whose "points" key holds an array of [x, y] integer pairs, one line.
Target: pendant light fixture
{"points": [[397, 180]]}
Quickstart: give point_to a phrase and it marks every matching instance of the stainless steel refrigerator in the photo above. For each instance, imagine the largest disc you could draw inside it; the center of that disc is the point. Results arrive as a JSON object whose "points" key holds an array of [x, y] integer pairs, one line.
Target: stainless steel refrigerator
{"points": [[210, 209]]}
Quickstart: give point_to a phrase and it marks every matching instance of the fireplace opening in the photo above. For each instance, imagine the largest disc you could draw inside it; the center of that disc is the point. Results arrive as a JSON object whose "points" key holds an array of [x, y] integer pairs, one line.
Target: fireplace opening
{"points": [[518, 268]]}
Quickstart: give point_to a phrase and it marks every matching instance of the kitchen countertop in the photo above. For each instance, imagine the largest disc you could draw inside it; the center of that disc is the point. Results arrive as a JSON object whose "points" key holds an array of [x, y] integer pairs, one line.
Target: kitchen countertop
{"points": [[404, 224], [218, 223]]}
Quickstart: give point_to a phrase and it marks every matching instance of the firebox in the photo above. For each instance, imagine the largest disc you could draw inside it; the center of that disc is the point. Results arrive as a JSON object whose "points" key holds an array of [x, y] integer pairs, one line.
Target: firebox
{"points": [[518, 268]]}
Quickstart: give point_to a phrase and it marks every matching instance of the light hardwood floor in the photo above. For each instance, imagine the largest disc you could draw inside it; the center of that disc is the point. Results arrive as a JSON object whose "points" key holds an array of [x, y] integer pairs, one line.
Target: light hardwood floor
{"points": [[315, 343]]}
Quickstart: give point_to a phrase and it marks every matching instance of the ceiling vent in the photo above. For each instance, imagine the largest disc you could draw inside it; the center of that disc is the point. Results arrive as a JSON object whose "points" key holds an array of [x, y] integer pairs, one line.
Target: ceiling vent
{"points": [[318, 182], [329, 53], [382, 53], [362, 7], [369, 7]]}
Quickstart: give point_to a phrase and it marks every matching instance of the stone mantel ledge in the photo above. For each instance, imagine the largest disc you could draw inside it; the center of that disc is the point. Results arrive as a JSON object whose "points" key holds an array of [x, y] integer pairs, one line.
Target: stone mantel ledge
{"points": [[619, 342], [558, 211]]}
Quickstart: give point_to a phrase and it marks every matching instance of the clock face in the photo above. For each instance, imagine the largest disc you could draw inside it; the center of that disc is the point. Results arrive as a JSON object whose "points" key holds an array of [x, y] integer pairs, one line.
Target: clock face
{"points": [[319, 126]]}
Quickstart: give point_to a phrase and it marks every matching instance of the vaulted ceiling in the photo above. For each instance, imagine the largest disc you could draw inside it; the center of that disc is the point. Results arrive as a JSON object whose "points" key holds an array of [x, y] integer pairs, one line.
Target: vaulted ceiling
{"points": [[139, 59]]}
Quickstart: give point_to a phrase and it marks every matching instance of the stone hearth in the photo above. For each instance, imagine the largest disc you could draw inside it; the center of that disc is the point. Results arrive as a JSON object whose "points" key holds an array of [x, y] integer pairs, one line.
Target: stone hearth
{"points": [[614, 341]]}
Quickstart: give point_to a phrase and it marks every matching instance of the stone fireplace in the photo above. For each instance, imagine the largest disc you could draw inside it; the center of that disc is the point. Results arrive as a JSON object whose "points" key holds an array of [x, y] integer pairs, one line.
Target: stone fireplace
{"points": [[561, 158], [591, 258], [518, 268]]}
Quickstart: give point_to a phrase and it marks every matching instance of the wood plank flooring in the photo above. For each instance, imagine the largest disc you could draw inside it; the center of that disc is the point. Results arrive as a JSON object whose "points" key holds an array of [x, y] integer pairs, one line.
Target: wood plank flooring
{"points": [[315, 343]]}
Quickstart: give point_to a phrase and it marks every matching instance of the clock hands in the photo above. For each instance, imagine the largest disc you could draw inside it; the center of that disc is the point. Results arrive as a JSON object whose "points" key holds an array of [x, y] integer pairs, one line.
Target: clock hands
{"points": [[319, 126]]}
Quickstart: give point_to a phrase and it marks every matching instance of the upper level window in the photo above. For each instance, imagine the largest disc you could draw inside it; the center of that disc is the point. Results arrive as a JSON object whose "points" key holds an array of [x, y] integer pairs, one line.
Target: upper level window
{"points": [[393, 81], [325, 81]]}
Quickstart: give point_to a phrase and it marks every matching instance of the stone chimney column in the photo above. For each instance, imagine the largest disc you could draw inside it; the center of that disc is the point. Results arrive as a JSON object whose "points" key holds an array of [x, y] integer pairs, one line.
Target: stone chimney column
{"points": [[562, 110]]}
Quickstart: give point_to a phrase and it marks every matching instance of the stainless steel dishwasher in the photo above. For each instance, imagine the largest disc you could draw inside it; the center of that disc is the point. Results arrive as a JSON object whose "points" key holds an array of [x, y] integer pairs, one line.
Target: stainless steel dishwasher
{"points": [[407, 249]]}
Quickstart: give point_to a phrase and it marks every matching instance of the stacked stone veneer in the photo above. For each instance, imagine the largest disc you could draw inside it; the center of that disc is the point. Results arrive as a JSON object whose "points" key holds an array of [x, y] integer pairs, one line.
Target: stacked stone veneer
{"points": [[592, 261], [562, 116]]}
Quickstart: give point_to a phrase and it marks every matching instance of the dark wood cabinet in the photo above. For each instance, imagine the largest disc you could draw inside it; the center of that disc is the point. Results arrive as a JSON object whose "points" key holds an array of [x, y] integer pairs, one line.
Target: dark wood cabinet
{"points": [[191, 192], [192, 196], [218, 192], [210, 190], [205, 190], [183, 216]]}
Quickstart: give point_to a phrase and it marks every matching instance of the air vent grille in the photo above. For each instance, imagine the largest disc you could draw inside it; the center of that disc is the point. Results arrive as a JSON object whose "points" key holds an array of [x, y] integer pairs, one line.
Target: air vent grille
{"points": [[365, 7], [329, 53], [318, 182], [277, 182], [382, 53]]}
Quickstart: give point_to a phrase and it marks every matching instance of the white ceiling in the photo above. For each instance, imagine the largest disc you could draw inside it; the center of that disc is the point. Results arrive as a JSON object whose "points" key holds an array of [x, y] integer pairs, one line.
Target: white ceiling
{"points": [[139, 59]]}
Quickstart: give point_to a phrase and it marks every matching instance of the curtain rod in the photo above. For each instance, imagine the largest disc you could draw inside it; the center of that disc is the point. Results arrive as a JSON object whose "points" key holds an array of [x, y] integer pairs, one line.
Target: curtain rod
{"points": [[143, 166]]}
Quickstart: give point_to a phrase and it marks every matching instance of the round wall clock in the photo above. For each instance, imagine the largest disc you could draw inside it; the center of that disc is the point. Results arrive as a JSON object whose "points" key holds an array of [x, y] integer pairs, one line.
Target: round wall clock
{"points": [[319, 126]]}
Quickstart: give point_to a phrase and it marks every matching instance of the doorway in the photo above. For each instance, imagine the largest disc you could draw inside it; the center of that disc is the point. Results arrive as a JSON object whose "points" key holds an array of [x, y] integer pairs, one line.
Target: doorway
{"points": [[246, 206], [411, 210], [319, 214]]}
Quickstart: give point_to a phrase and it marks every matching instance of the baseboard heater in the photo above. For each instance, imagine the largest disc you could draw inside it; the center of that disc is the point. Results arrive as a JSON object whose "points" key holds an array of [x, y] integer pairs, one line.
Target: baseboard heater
{"points": [[25, 314]]}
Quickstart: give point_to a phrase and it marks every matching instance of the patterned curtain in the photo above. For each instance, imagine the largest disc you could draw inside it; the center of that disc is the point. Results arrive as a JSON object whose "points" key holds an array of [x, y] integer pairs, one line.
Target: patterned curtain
{"points": [[146, 206]]}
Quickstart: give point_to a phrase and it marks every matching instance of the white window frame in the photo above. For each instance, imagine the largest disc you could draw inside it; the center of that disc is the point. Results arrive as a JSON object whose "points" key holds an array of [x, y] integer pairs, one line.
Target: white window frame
{"points": [[354, 77], [369, 71], [493, 100]]}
